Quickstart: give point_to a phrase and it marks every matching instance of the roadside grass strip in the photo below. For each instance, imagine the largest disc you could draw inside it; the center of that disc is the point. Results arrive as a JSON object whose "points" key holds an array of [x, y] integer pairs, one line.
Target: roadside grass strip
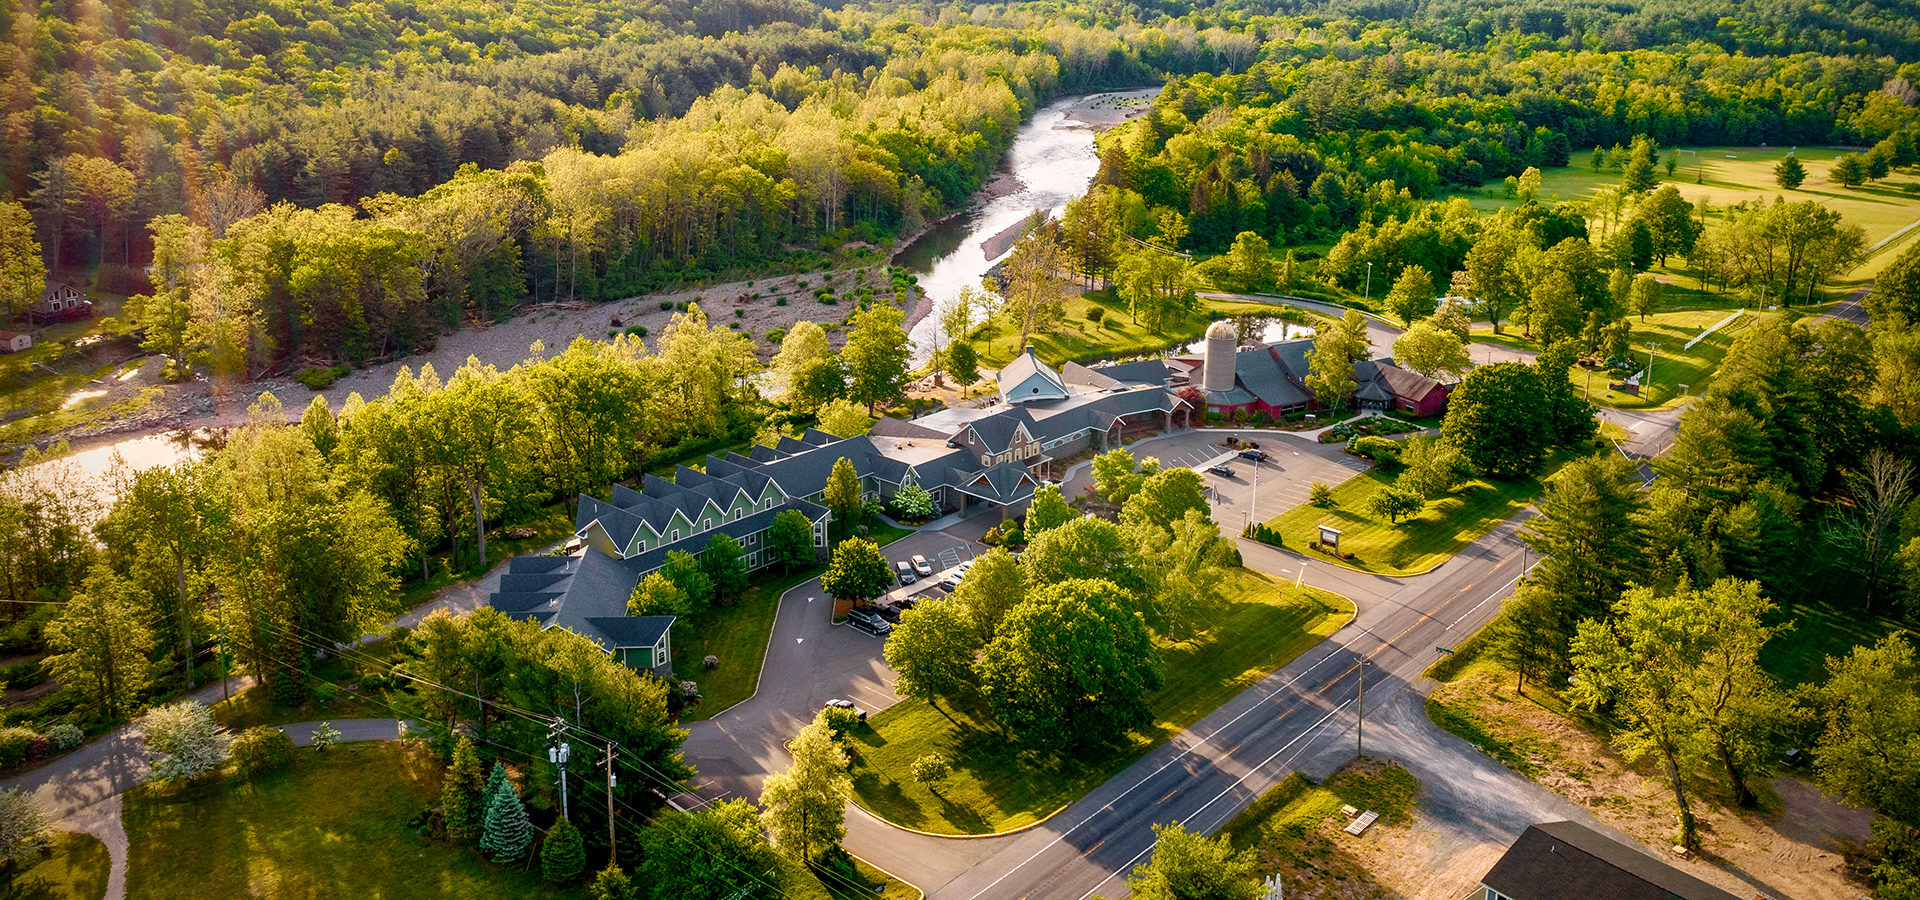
{"points": [[993, 787]]}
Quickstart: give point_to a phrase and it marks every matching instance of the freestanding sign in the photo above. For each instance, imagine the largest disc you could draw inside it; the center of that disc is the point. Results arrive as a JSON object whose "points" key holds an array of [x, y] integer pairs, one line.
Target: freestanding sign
{"points": [[1330, 538]]}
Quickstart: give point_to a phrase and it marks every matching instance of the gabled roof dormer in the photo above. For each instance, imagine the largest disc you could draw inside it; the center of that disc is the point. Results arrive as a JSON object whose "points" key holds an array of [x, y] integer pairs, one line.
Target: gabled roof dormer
{"points": [[1028, 380]]}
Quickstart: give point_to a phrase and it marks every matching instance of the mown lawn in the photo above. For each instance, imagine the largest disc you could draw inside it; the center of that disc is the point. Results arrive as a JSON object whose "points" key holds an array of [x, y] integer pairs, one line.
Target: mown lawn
{"points": [[333, 825], [1673, 366], [1114, 335], [74, 867], [1265, 625], [1820, 630], [1418, 543]]}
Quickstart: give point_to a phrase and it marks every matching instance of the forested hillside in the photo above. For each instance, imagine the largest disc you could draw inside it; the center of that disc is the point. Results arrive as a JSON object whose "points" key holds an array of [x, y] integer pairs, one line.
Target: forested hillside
{"points": [[429, 163]]}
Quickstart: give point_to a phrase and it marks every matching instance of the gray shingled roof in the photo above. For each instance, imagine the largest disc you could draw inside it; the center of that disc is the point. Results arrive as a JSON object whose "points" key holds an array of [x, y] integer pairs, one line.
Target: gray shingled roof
{"points": [[886, 426], [1565, 861], [1005, 483], [1404, 382], [632, 631], [1144, 371], [996, 431], [1261, 373], [1024, 367]]}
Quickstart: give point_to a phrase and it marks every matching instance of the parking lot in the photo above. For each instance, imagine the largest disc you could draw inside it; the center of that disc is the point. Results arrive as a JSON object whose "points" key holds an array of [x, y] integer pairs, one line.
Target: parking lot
{"points": [[1255, 491]]}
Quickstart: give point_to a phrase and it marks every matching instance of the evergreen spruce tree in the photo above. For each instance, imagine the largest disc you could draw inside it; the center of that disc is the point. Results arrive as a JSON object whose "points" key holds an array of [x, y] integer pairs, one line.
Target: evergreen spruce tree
{"points": [[562, 855], [463, 792], [508, 832], [1789, 173]]}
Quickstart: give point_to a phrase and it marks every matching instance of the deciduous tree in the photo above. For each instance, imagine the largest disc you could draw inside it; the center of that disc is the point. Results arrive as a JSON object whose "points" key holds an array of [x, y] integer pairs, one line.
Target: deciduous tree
{"points": [[844, 497], [1432, 351], [724, 562], [1048, 510], [187, 741], [933, 650], [875, 356], [996, 584], [804, 808], [1188, 865], [1071, 664], [790, 540], [1412, 296], [100, 643], [715, 854], [858, 571]]}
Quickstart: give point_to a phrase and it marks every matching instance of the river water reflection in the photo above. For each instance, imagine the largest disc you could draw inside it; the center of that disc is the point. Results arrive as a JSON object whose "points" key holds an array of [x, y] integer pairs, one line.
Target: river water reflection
{"points": [[1053, 157]]}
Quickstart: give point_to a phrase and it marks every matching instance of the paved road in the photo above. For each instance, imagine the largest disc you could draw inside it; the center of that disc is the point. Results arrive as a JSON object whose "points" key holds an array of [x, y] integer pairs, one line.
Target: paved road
{"points": [[1210, 772], [1850, 308]]}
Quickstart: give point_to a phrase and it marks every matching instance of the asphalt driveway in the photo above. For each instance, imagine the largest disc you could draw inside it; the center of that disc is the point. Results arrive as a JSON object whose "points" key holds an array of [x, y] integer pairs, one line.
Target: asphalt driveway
{"points": [[809, 661]]}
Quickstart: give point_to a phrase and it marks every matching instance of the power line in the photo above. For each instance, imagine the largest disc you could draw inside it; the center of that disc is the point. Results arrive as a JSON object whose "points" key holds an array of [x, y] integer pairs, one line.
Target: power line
{"points": [[646, 765]]}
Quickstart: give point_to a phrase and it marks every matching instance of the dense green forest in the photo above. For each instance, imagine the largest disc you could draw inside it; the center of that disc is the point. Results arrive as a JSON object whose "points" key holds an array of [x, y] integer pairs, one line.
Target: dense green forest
{"points": [[454, 160]]}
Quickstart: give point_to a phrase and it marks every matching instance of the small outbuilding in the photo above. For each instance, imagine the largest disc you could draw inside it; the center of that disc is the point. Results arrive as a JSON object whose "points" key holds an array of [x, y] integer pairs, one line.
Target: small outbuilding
{"points": [[1566, 861], [14, 342]]}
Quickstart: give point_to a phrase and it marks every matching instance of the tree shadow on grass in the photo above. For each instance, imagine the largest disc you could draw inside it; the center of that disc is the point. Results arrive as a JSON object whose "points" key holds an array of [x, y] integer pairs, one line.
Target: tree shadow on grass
{"points": [[74, 867]]}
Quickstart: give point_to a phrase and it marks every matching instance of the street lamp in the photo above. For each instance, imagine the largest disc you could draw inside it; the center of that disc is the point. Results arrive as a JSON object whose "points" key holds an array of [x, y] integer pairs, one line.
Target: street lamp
{"points": [[1652, 348], [1369, 294], [558, 756]]}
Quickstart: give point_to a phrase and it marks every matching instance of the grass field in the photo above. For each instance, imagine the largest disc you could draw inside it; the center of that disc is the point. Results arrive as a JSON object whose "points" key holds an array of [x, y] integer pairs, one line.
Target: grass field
{"points": [[1729, 175], [1114, 335], [335, 825], [74, 868], [1418, 543], [1821, 630], [992, 789], [1678, 372]]}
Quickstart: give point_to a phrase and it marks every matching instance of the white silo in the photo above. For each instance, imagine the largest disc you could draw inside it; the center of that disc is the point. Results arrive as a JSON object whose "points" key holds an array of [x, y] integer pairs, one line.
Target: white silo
{"points": [[1221, 344]]}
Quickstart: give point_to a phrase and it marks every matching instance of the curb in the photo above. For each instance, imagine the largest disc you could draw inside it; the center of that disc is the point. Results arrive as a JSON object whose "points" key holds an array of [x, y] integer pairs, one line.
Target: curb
{"points": [[959, 837], [916, 888], [769, 650]]}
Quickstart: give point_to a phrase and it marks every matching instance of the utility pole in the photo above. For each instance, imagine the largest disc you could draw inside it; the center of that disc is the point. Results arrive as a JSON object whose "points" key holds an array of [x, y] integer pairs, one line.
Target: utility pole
{"points": [[558, 756], [612, 848], [1360, 730], [1369, 294], [1652, 348]]}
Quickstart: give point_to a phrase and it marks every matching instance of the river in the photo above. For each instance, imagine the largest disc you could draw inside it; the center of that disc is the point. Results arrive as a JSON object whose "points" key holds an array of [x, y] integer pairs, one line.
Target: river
{"points": [[1054, 159]]}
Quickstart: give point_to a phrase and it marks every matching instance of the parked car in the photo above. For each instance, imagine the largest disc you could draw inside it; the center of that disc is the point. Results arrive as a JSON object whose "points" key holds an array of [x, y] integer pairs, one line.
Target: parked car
{"points": [[847, 704], [1255, 455], [952, 581], [921, 565], [1223, 469], [906, 572], [869, 622]]}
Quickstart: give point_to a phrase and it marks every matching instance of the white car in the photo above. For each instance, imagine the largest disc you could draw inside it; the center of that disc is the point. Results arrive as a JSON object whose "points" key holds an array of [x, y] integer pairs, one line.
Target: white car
{"points": [[921, 565]]}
